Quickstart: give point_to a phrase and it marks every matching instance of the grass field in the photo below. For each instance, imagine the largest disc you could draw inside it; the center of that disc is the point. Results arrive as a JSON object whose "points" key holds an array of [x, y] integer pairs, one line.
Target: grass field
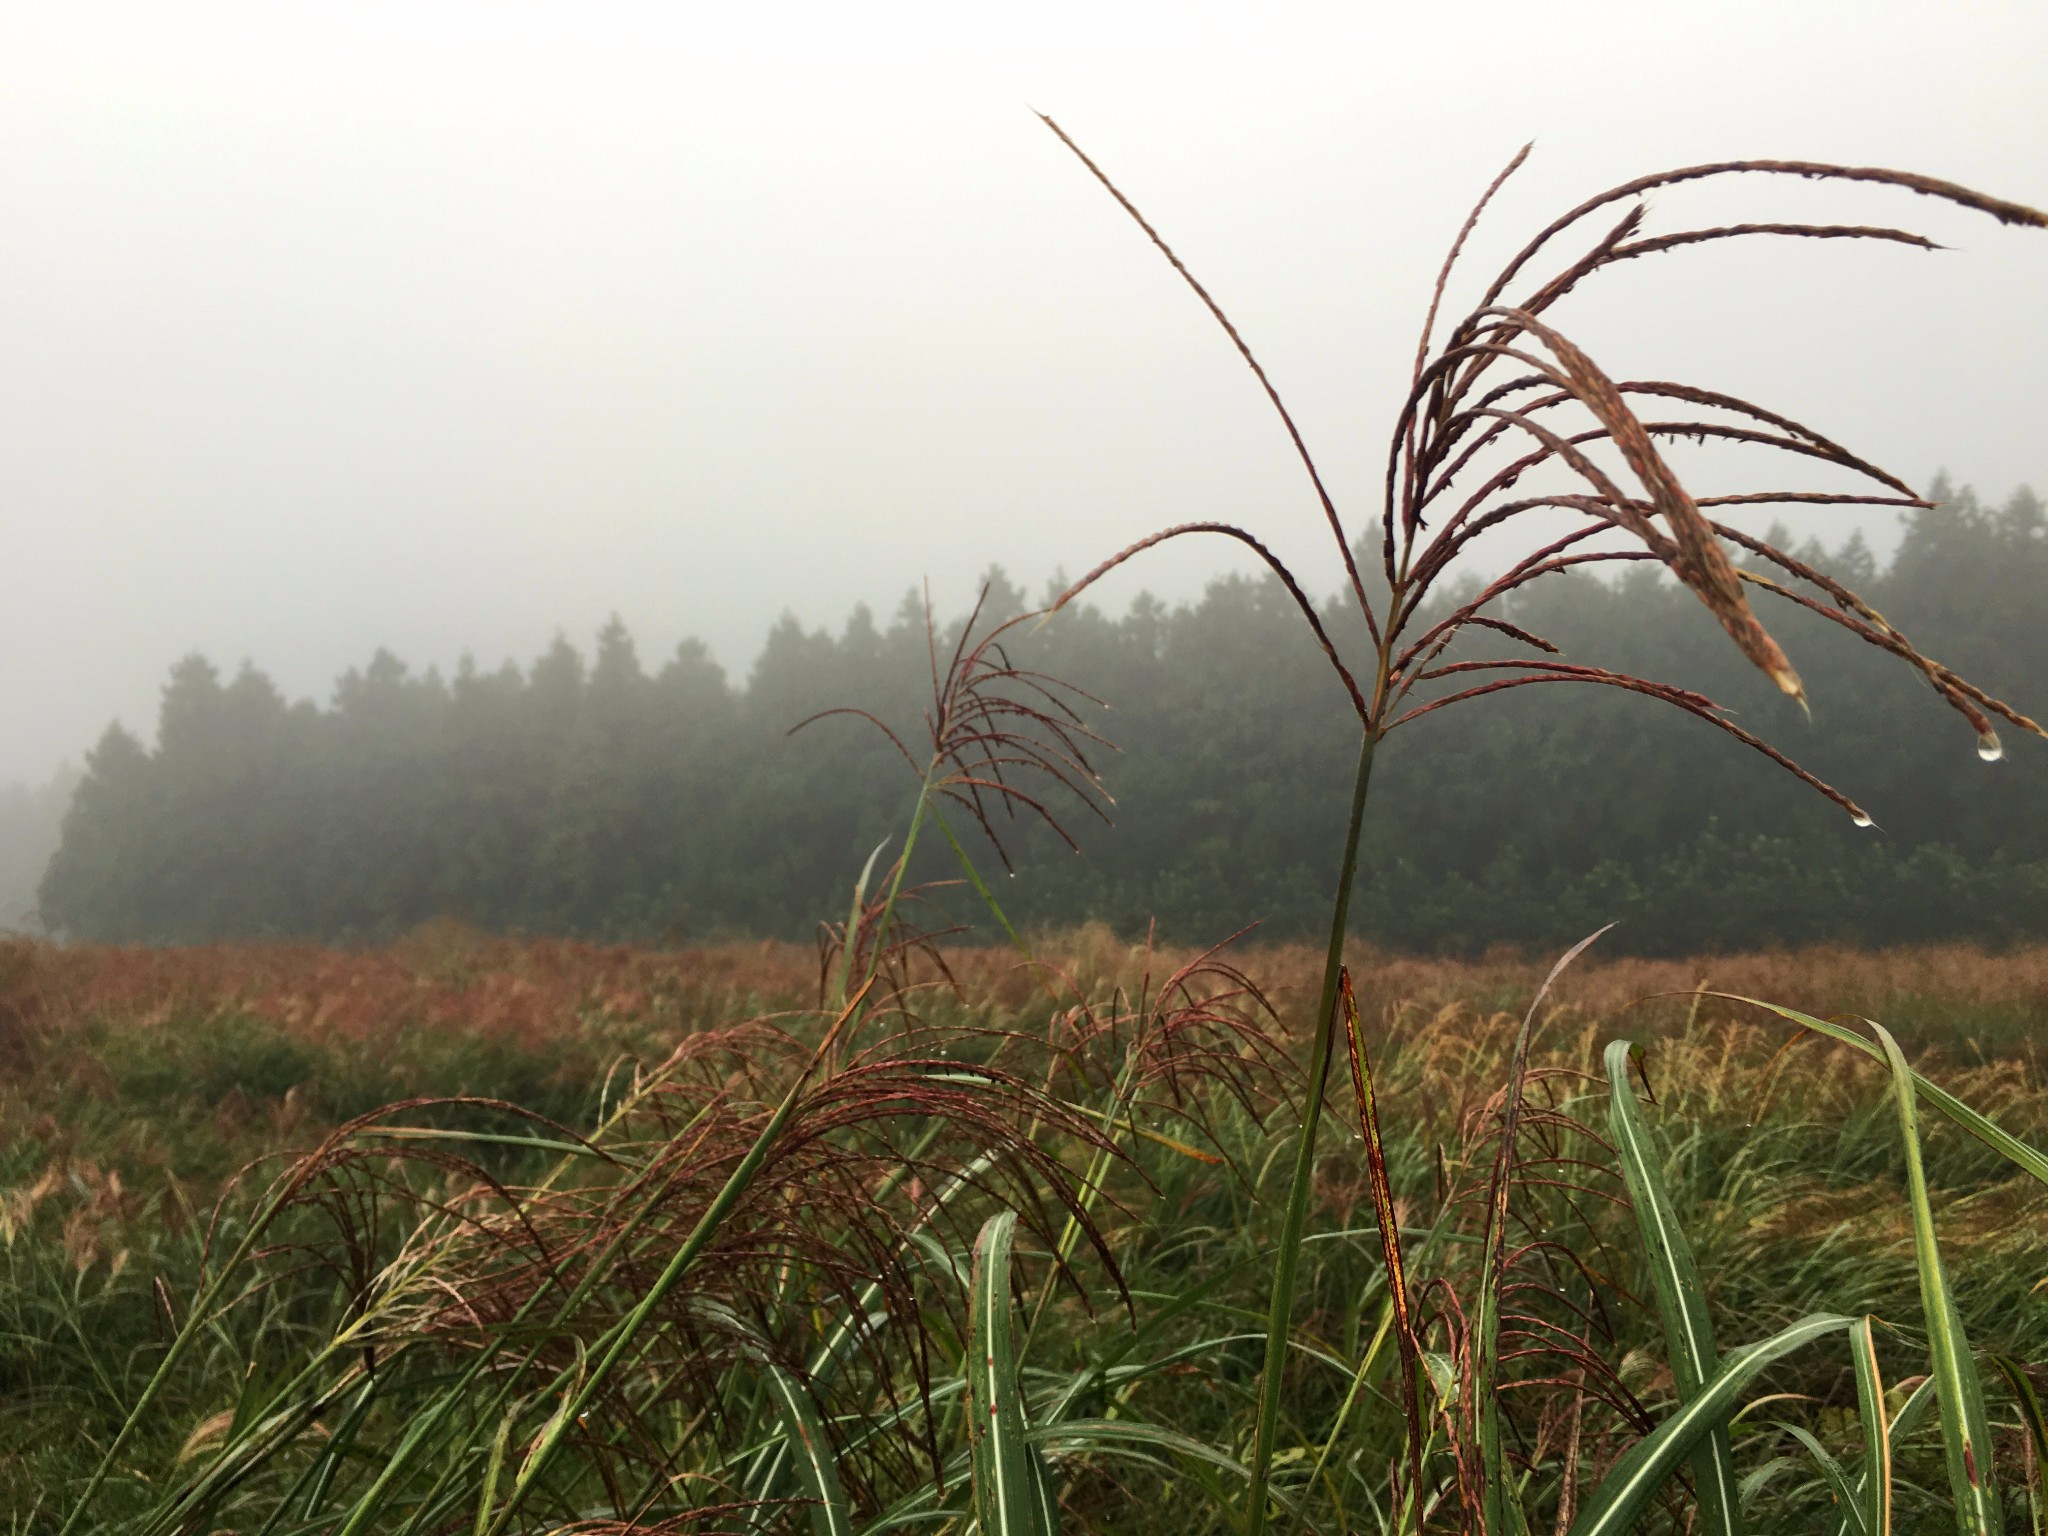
{"points": [[485, 1237], [1134, 1109]]}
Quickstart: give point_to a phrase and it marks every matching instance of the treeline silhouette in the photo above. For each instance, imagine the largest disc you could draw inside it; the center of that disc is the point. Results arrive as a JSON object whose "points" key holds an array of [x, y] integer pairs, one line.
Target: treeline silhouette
{"points": [[601, 798]]}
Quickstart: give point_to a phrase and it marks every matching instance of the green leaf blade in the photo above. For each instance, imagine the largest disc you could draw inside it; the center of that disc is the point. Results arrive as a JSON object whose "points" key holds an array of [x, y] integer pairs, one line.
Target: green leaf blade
{"points": [[1837, 1480], [1874, 1494], [1636, 1478], [817, 1468], [1006, 1495], [1965, 1424], [1681, 1298]]}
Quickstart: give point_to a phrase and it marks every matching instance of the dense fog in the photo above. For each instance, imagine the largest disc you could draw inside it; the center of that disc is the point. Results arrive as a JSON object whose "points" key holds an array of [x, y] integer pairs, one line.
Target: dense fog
{"points": [[439, 328]]}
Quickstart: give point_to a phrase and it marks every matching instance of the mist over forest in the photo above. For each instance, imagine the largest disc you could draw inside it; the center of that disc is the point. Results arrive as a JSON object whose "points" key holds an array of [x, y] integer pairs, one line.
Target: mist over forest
{"points": [[613, 797], [31, 826]]}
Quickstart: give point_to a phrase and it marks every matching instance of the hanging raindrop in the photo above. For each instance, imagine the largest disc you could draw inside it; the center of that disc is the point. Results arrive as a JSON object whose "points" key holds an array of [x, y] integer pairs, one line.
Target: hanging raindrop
{"points": [[1989, 747], [1862, 820]]}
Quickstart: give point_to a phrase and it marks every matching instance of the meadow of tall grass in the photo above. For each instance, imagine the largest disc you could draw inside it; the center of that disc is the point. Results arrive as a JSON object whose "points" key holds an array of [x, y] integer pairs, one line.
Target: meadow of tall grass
{"points": [[1066, 1235], [154, 1098]]}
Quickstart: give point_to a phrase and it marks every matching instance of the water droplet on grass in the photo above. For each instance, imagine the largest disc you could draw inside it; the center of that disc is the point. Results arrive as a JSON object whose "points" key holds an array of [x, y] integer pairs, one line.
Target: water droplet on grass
{"points": [[1862, 820], [1989, 747]]}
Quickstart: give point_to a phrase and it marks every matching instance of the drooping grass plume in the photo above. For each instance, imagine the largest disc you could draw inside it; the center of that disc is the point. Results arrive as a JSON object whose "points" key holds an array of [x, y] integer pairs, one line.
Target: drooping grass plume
{"points": [[1002, 738]]}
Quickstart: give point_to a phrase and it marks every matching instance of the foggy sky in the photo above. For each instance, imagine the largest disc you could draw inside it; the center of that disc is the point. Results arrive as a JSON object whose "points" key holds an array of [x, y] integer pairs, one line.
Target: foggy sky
{"points": [[442, 327]]}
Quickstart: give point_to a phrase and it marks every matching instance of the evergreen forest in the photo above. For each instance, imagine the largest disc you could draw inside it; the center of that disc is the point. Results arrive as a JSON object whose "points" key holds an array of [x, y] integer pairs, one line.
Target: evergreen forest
{"points": [[603, 797]]}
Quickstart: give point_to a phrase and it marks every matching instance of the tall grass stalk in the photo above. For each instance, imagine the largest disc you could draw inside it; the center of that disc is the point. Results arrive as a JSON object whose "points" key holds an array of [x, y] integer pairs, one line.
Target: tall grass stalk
{"points": [[1457, 456], [1287, 1257]]}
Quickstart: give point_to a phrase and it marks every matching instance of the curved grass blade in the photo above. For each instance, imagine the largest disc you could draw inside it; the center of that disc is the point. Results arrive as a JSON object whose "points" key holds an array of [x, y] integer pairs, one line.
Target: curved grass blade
{"points": [[430, 1429], [258, 1442], [1681, 1300], [859, 905], [1636, 1478], [816, 1467], [1134, 1435], [568, 1410], [1965, 1427], [1367, 1367], [2015, 1375], [1005, 1493], [771, 1462], [1837, 1480], [831, 1354], [552, 1144], [1110, 1365], [309, 1490], [2028, 1159], [988, 897]]}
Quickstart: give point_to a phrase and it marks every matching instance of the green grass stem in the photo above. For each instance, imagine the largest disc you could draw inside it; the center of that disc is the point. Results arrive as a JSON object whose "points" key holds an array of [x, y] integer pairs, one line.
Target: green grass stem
{"points": [[1287, 1255]]}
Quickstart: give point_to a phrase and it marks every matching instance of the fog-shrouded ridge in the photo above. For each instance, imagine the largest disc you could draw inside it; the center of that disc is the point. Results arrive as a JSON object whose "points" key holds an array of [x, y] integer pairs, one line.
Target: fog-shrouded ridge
{"points": [[604, 797]]}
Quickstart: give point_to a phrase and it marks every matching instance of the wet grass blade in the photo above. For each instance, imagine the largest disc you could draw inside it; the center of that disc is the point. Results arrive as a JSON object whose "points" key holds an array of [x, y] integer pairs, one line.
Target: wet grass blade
{"points": [[194, 1328], [327, 1465], [1681, 1300], [482, 1138], [1902, 1425], [1874, 1492], [1637, 1478], [988, 897], [1006, 1495], [816, 1467], [1965, 1427]]}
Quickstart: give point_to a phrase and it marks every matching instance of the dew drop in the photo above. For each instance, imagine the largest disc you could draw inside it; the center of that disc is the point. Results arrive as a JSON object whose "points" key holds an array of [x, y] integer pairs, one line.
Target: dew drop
{"points": [[1989, 747], [1862, 820]]}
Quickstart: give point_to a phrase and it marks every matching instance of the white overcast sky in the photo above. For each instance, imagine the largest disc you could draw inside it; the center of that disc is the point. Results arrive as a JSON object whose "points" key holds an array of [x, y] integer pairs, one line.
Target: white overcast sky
{"points": [[444, 326]]}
